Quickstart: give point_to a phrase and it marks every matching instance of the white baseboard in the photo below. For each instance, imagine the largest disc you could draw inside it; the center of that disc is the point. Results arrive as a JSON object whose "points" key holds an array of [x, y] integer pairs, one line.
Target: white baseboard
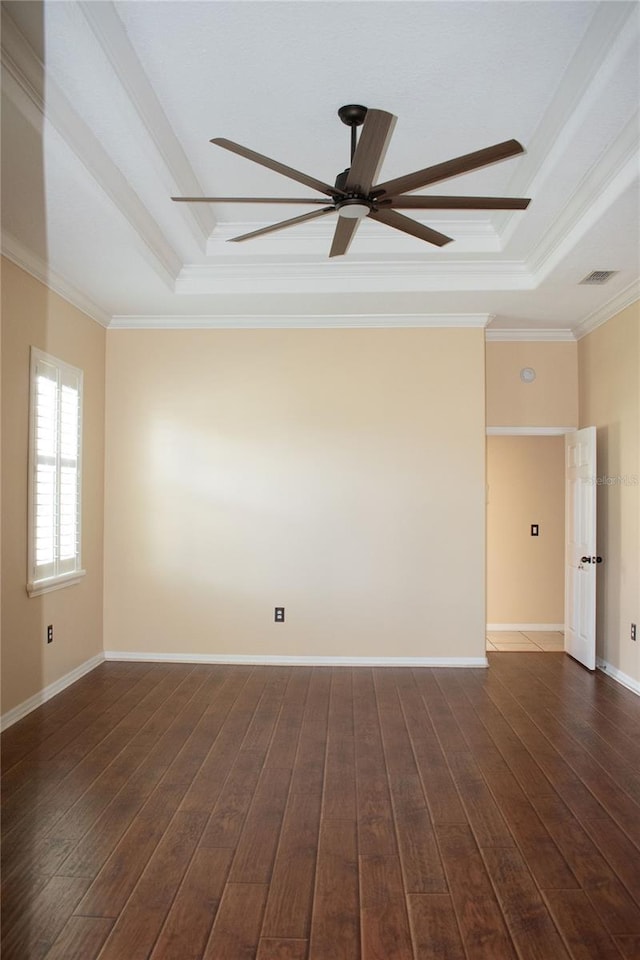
{"points": [[17, 713], [295, 661], [618, 675], [547, 627]]}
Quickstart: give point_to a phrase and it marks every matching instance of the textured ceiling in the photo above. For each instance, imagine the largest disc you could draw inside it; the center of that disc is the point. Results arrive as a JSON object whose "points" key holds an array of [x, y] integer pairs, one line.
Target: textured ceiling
{"points": [[108, 109]]}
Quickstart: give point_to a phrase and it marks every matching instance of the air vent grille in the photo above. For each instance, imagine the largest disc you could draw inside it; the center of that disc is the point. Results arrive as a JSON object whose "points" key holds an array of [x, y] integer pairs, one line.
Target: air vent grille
{"points": [[599, 276]]}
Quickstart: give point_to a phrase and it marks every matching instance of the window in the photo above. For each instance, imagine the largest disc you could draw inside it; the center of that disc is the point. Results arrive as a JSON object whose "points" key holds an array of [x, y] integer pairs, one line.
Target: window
{"points": [[54, 474]]}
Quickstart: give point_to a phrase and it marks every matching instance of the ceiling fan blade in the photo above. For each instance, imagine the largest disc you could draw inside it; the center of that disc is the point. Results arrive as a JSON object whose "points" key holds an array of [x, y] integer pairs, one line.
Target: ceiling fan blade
{"points": [[282, 224], [278, 167], [299, 200], [370, 151], [344, 233], [450, 168], [455, 203], [406, 225]]}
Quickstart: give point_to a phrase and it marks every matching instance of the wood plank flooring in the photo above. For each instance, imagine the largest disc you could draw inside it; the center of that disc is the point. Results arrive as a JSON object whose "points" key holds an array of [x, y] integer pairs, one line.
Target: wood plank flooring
{"points": [[180, 812]]}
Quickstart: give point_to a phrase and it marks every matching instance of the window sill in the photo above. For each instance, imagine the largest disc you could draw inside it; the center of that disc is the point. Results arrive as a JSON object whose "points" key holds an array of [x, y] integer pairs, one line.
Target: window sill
{"points": [[54, 583]]}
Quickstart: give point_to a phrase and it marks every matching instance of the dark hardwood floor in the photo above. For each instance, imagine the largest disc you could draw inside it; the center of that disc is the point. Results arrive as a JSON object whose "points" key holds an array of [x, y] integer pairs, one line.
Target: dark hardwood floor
{"points": [[179, 812]]}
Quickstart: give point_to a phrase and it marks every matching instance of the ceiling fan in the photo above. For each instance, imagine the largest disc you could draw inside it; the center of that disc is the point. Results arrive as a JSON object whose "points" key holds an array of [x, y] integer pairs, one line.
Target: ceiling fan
{"points": [[355, 195]]}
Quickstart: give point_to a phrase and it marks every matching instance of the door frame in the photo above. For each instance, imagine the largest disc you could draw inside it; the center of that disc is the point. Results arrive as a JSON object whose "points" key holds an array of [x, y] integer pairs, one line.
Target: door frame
{"points": [[530, 432]]}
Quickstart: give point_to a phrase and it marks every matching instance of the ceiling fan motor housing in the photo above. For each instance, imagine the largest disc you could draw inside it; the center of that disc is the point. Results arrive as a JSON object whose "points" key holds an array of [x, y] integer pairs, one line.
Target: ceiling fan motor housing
{"points": [[354, 206], [341, 181]]}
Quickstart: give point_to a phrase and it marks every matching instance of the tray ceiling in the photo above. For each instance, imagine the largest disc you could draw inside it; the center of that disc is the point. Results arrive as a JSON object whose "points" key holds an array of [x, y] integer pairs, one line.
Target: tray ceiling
{"points": [[108, 109]]}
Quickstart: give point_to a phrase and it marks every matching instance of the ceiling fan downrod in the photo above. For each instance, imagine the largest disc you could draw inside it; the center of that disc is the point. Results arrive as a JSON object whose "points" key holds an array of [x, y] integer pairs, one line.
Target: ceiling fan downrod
{"points": [[353, 115]]}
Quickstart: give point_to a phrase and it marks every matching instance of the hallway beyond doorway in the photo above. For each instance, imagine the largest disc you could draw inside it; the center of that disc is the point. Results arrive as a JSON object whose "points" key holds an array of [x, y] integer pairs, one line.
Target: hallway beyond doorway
{"points": [[533, 640]]}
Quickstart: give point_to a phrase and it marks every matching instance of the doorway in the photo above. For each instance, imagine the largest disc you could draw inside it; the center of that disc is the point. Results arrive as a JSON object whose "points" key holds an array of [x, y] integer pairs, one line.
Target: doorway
{"points": [[525, 541]]}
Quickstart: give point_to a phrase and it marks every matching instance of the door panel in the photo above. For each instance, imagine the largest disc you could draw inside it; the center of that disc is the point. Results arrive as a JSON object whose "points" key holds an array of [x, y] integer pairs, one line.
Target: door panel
{"points": [[580, 559]]}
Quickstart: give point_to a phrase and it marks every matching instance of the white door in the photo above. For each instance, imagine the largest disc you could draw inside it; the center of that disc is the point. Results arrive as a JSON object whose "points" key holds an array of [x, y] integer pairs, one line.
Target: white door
{"points": [[581, 560]]}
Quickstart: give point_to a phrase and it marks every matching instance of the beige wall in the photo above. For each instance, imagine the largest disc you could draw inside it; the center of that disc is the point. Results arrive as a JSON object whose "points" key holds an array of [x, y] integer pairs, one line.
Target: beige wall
{"points": [[525, 574], [550, 401], [339, 474], [33, 315], [610, 400]]}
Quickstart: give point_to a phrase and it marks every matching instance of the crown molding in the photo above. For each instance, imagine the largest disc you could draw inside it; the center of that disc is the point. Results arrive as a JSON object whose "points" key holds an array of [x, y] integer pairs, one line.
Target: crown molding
{"points": [[34, 265], [597, 191], [23, 81], [531, 335], [619, 302], [528, 432], [352, 276], [110, 33], [471, 236], [459, 321], [610, 35]]}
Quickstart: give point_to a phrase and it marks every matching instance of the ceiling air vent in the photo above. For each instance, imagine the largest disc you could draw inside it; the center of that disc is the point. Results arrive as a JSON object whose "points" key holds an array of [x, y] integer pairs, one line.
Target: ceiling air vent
{"points": [[599, 276]]}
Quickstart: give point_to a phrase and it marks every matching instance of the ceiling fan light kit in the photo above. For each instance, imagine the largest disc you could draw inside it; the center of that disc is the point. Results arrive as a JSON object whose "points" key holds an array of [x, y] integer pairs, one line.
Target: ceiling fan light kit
{"points": [[353, 209], [355, 195]]}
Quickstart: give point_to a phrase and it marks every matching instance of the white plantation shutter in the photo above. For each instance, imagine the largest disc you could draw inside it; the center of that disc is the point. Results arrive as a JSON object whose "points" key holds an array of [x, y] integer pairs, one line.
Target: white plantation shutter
{"points": [[54, 473]]}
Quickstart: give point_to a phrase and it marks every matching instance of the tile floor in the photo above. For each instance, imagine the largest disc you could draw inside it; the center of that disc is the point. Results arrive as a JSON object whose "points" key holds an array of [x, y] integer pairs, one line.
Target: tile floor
{"points": [[534, 640]]}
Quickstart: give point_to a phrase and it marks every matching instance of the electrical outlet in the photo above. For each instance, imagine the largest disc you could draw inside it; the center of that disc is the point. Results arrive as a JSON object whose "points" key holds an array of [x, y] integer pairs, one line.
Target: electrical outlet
{"points": [[50, 633], [633, 631], [279, 615]]}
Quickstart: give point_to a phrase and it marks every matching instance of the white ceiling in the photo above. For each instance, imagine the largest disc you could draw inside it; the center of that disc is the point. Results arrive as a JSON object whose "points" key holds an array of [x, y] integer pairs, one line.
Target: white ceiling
{"points": [[108, 109]]}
